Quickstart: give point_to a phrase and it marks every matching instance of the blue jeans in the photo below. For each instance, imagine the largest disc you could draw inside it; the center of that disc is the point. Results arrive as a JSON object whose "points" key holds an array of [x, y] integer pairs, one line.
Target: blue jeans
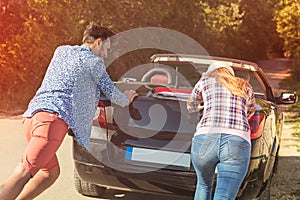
{"points": [[230, 154]]}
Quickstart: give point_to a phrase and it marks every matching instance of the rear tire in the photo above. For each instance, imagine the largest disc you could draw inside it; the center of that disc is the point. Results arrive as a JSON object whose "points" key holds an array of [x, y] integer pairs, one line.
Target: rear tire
{"points": [[266, 194], [86, 188]]}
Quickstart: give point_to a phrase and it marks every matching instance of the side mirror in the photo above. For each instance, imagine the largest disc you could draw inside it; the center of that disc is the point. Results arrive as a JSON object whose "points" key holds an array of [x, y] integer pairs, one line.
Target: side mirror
{"points": [[288, 98]]}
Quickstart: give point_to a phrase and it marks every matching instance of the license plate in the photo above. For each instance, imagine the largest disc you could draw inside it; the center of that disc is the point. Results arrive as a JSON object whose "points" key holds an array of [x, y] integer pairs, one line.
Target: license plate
{"points": [[158, 156]]}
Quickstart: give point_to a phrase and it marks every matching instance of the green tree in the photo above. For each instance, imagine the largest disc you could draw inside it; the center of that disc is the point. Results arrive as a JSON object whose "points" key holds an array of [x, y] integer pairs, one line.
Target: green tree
{"points": [[25, 55], [12, 16], [231, 28], [287, 17], [257, 36], [222, 21]]}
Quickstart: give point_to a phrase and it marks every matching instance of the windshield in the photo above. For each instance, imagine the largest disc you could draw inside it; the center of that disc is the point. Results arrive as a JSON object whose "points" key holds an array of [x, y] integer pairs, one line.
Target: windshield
{"points": [[184, 75]]}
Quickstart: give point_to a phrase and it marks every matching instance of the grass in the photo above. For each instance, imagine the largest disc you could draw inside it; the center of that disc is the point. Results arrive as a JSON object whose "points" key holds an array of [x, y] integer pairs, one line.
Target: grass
{"points": [[294, 120], [296, 193]]}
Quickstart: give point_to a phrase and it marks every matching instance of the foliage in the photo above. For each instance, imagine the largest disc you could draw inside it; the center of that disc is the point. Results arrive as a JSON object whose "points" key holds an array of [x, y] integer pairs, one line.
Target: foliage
{"points": [[257, 35], [12, 17], [293, 118], [25, 56], [287, 17], [31, 30]]}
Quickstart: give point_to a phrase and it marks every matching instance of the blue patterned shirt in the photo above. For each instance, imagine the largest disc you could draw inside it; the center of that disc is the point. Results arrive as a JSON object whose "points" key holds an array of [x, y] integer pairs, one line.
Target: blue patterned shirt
{"points": [[72, 86], [223, 111]]}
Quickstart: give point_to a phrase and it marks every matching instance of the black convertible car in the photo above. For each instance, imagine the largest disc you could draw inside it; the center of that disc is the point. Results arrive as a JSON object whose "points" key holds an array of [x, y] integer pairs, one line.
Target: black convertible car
{"points": [[145, 147]]}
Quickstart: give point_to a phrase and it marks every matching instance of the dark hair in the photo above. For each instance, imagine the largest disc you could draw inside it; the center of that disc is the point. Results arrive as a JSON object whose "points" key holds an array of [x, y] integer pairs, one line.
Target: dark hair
{"points": [[94, 31]]}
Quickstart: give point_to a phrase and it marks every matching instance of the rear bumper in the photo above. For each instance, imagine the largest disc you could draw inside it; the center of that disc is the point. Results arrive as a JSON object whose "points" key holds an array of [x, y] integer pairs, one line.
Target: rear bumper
{"points": [[98, 170], [161, 181]]}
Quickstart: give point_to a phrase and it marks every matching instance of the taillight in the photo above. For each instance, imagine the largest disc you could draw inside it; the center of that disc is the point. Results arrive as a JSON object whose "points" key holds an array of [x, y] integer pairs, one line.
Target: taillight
{"points": [[100, 120], [256, 126], [102, 117]]}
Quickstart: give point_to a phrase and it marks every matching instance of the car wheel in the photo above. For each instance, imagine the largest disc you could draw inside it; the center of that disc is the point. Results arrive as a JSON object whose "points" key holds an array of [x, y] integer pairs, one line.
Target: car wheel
{"points": [[266, 194], [275, 168], [86, 188]]}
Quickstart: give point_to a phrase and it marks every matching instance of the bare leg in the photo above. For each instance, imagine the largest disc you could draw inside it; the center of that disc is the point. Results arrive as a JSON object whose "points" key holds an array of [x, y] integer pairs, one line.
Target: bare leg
{"points": [[38, 184], [12, 187]]}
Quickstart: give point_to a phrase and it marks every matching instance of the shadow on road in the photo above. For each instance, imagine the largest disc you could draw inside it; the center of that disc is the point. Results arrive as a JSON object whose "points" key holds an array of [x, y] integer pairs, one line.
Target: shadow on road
{"points": [[286, 182]]}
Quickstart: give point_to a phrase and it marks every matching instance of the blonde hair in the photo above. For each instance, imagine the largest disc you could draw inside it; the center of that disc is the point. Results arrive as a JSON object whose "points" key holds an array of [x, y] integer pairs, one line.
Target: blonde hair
{"points": [[235, 85]]}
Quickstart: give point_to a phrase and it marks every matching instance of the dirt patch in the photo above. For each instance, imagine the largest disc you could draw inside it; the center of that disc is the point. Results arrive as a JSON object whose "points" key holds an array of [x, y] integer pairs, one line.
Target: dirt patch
{"points": [[286, 182]]}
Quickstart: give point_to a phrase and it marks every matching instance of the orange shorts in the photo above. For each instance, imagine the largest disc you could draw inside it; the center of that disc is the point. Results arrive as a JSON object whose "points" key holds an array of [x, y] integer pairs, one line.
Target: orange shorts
{"points": [[44, 132]]}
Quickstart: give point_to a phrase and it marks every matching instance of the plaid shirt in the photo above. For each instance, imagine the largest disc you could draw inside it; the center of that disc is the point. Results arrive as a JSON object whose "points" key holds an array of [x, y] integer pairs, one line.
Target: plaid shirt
{"points": [[223, 111]]}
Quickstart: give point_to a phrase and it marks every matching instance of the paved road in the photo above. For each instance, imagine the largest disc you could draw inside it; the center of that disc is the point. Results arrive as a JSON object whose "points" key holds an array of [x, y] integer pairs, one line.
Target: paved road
{"points": [[276, 70], [12, 144]]}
